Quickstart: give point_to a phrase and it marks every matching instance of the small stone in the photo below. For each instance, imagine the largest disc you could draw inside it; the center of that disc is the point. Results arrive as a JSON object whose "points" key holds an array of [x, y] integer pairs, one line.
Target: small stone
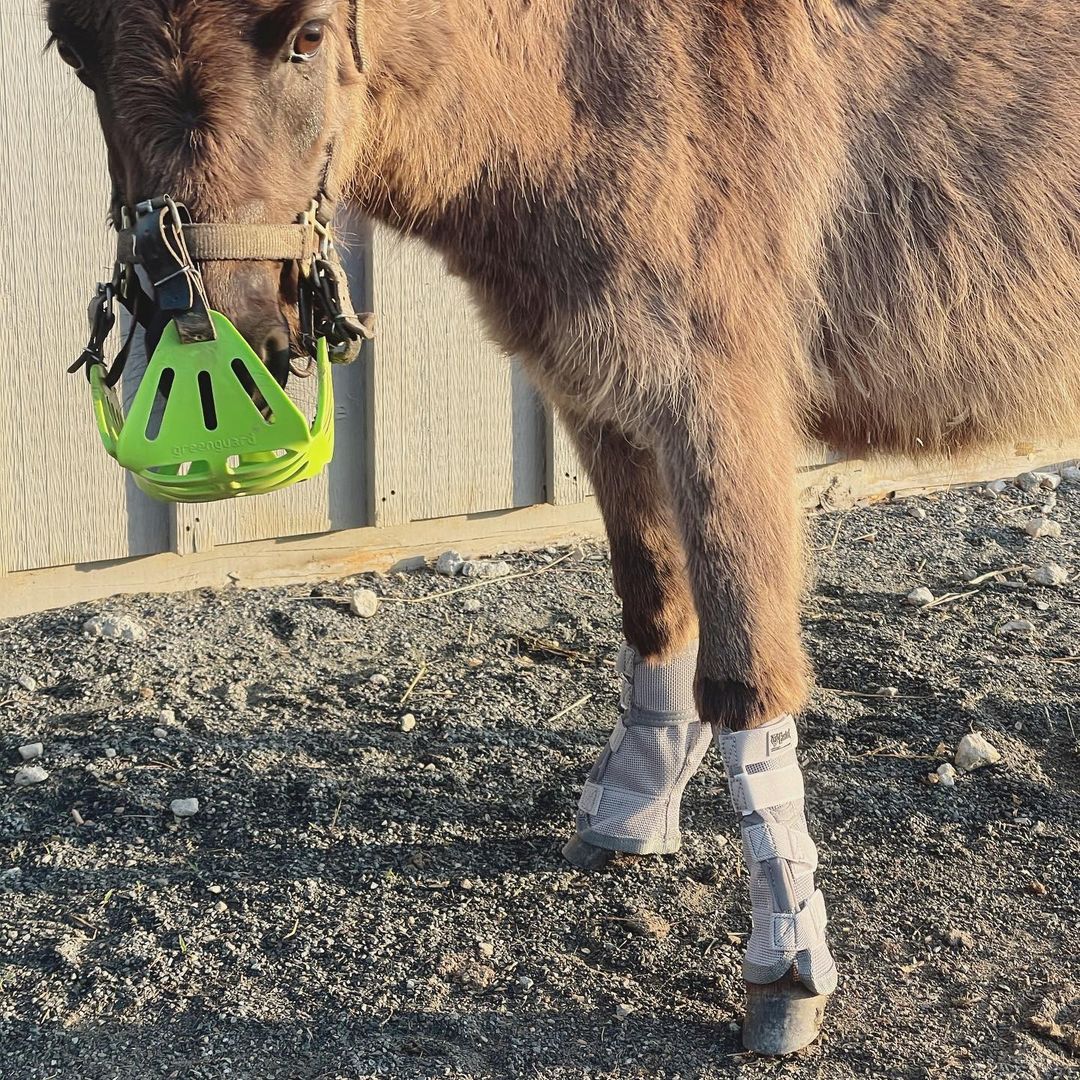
{"points": [[221, 907], [364, 602], [1039, 527], [919, 597], [1017, 627], [110, 752], [946, 775], [959, 939], [471, 605], [487, 949], [1028, 481], [916, 512], [123, 628], [184, 807], [623, 1010], [486, 569], [31, 750], [998, 486], [449, 563], [1036, 887], [160, 733], [973, 752], [525, 982], [1051, 575], [1049, 481], [167, 716], [1071, 473], [379, 679], [32, 774], [408, 722], [77, 818], [28, 683], [214, 890], [987, 493], [888, 692], [1038, 481]]}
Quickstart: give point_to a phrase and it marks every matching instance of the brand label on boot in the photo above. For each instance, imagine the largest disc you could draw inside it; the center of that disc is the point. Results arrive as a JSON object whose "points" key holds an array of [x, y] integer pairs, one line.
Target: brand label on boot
{"points": [[779, 740]]}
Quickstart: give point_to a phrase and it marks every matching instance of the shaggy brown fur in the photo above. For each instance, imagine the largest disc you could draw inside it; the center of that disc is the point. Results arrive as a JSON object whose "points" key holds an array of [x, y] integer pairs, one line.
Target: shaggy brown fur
{"points": [[710, 227]]}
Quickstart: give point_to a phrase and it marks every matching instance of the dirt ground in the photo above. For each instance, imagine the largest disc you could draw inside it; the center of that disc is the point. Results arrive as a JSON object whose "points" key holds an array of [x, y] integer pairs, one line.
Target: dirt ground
{"points": [[356, 900]]}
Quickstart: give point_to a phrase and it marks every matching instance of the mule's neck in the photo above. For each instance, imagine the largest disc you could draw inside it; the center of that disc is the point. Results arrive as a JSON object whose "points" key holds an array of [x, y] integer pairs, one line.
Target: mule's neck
{"points": [[460, 91]]}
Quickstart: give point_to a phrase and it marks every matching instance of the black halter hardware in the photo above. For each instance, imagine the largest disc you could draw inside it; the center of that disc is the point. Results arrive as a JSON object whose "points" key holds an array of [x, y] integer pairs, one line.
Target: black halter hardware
{"points": [[162, 240]]}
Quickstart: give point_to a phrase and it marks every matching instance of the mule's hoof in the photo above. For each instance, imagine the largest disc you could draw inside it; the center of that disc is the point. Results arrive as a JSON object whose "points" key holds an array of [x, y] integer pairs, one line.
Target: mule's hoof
{"points": [[586, 856], [781, 1017]]}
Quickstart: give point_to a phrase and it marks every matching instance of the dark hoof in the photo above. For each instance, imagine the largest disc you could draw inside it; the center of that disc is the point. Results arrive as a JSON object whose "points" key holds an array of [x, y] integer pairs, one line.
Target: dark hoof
{"points": [[781, 1017], [586, 856]]}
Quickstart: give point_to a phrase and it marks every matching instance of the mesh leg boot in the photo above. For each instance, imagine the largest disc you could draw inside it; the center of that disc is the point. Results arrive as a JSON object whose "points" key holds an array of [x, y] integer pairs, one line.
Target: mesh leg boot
{"points": [[632, 797], [788, 935]]}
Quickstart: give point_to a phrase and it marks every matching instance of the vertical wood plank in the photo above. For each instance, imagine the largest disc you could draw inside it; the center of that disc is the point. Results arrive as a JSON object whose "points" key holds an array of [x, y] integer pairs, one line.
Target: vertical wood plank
{"points": [[62, 499], [567, 480], [443, 438]]}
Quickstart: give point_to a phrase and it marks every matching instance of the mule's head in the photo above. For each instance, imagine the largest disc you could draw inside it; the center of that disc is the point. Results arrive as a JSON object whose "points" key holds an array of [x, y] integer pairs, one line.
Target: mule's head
{"points": [[236, 108]]}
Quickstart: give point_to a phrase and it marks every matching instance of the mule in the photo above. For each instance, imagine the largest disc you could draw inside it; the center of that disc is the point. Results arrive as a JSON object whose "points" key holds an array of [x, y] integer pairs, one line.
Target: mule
{"points": [[709, 228]]}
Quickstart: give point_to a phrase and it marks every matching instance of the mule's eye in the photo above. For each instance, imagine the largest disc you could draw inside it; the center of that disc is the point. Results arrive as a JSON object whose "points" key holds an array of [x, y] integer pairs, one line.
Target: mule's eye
{"points": [[308, 41], [69, 55]]}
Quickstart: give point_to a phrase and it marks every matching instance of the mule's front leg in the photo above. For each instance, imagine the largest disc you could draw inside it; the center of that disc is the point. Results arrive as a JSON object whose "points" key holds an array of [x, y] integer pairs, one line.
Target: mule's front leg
{"points": [[633, 795], [730, 462]]}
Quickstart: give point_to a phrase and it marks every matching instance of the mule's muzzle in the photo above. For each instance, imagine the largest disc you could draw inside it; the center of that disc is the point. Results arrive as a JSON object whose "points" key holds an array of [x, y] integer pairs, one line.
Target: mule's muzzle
{"points": [[210, 418]]}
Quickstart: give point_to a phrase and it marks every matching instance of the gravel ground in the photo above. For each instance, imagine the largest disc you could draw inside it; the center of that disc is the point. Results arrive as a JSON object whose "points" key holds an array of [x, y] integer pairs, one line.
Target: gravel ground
{"points": [[361, 894]]}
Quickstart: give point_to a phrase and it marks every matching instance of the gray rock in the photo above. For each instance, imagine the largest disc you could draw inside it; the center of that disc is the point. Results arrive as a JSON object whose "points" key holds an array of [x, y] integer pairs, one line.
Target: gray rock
{"points": [[623, 1010], [1071, 473], [32, 774], [946, 775], [1051, 575], [364, 602], [449, 563], [31, 751], [167, 716], [110, 752], [916, 512], [471, 605], [919, 597], [1016, 627], [28, 683], [486, 569], [1028, 481], [959, 939], [160, 733], [378, 679], [1039, 527], [998, 486], [525, 982], [184, 807], [973, 752], [121, 628], [408, 722]]}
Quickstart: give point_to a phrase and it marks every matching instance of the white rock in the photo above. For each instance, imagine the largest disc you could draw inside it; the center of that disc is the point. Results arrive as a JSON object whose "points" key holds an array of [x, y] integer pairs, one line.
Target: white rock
{"points": [[379, 680], [916, 512], [28, 683], [973, 752], [1071, 473], [471, 605], [1017, 626], [32, 774], [160, 733], [184, 807], [1049, 481], [998, 486], [110, 752], [525, 982], [1039, 527], [167, 716], [449, 563], [1028, 481], [31, 751], [946, 775], [364, 602], [486, 568], [1050, 575], [919, 597], [408, 722], [623, 1010], [123, 628], [487, 949]]}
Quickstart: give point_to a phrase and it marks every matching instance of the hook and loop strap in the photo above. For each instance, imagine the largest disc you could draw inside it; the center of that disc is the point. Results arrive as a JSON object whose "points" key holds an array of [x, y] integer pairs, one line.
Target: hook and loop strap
{"points": [[226, 242]]}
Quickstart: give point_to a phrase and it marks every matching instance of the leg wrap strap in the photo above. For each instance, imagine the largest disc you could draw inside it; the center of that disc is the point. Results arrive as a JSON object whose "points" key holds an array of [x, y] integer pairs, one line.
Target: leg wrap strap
{"points": [[788, 912], [632, 798]]}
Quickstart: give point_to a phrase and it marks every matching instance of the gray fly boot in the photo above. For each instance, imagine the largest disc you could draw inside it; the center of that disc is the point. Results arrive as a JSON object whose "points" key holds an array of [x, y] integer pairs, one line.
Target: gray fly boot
{"points": [[632, 796], [788, 968]]}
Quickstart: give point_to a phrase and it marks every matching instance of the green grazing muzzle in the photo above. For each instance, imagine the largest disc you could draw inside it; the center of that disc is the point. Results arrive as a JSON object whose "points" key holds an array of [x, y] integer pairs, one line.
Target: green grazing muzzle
{"points": [[209, 421]]}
